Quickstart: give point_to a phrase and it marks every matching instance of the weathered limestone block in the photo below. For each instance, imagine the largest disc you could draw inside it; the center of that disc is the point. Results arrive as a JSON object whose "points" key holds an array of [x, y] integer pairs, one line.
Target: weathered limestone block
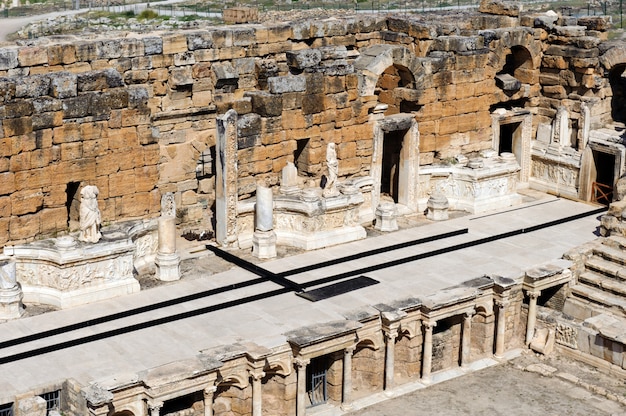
{"points": [[181, 76], [500, 8], [8, 58], [572, 51], [599, 23], [305, 58], [290, 83], [32, 87], [569, 31], [153, 45], [33, 406], [33, 55], [99, 80], [508, 82], [174, 43], [266, 104], [63, 85]]}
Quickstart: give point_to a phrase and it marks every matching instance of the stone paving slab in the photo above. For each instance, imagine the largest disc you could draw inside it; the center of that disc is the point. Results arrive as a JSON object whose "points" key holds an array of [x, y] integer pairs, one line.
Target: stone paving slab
{"points": [[265, 320]]}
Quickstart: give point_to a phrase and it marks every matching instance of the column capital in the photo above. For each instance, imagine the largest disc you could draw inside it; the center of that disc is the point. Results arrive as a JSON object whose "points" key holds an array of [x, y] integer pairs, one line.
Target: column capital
{"points": [[349, 350], [390, 333], [533, 294], [155, 406], [502, 303], [256, 374], [469, 314], [209, 390], [300, 362], [429, 325]]}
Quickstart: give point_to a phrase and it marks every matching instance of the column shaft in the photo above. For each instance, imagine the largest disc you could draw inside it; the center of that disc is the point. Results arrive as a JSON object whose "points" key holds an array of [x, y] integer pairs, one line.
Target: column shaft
{"points": [[427, 355], [208, 400], [390, 353], [257, 394], [500, 329], [466, 340], [347, 376], [532, 315], [301, 393]]}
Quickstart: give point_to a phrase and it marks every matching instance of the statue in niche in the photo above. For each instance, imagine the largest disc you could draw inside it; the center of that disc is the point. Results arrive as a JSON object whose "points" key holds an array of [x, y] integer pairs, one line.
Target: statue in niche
{"points": [[7, 275], [90, 219], [330, 189]]}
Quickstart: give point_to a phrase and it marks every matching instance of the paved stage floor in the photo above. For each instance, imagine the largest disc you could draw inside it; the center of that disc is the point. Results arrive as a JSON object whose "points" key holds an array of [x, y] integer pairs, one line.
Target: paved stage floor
{"points": [[262, 312]]}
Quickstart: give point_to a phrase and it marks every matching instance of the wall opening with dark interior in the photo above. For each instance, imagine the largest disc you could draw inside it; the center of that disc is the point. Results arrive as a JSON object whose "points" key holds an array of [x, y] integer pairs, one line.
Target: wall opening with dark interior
{"points": [[602, 186], [301, 155], [617, 79], [72, 204], [316, 374], [392, 147], [182, 403]]}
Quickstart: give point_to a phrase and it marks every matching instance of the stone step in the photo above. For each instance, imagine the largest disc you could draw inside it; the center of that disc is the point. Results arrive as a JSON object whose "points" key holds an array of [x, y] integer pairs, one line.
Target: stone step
{"points": [[606, 267], [615, 241], [600, 297], [600, 281], [611, 253]]}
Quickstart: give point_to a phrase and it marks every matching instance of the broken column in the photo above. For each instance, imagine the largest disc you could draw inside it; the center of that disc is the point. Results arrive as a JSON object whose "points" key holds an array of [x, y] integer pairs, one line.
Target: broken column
{"points": [[264, 237], [167, 259], [289, 180], [11, 295]]}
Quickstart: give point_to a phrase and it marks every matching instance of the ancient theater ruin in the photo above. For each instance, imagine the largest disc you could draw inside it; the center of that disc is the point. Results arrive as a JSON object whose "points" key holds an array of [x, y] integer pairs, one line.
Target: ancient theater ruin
{"points": [[367, 146]]}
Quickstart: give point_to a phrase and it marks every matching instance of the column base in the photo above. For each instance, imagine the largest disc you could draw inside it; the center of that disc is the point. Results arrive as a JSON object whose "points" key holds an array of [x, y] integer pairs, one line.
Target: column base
{"points": [[167, 267], [264, 244], [11, 306]]}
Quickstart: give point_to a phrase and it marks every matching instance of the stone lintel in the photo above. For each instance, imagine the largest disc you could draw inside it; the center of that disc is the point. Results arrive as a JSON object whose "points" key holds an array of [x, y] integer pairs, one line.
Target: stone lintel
{"points": [[96, 395], [366, 314], [548, 274], [502, 284], [316, 334], [397, 122]]}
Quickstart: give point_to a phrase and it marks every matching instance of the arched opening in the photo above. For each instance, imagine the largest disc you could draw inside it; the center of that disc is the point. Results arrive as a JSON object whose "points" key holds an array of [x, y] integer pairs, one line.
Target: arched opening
{"points": [[124, 413], [517, 70], [393, 88], [617, 79], [368, 370]]}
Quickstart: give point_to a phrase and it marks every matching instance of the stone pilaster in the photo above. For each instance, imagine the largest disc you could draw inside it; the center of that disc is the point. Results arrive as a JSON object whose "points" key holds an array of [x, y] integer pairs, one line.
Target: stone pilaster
{"points": [[226, 179], [167, 259], [390, 356]]}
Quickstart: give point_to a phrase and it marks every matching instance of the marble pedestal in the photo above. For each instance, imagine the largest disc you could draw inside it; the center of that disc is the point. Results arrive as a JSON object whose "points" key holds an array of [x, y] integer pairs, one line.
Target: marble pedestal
{"points": [[11, 306], [264, 244], [437, 208], [386, 217]]}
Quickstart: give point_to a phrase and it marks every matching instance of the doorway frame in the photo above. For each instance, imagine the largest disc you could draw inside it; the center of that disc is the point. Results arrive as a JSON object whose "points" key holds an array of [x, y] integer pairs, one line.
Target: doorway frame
{"points": [[409, 159], [617, 150], [525, 121]]}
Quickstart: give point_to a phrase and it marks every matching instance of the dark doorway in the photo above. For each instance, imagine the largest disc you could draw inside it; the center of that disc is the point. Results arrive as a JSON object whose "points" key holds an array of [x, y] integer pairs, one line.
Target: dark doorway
{"points": [[506, 137], [392, 147], [316, 380], [602, 187], [72, 204]]}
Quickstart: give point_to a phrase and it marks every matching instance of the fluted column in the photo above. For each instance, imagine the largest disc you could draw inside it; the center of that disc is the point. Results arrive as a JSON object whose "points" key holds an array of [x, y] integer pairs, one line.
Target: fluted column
{"points": [[208, 400], [301, 393], [257, 394], [390, 353], [427, 354], [346, 399], [532, 314], [155, 408], [466, 339], [501, 328]]}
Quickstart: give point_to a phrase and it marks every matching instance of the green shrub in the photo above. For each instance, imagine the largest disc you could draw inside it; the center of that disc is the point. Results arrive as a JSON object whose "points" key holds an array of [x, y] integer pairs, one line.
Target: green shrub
{"points": [[148, 14]]}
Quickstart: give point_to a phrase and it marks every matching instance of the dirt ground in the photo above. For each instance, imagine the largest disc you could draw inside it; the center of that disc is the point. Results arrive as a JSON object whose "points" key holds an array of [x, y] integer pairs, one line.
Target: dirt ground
{"points": [[525, 386]]}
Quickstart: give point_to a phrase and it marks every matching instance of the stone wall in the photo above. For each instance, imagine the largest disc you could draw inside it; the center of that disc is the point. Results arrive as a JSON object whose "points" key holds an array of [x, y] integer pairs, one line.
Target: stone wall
{"points": [[136, 116]]}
